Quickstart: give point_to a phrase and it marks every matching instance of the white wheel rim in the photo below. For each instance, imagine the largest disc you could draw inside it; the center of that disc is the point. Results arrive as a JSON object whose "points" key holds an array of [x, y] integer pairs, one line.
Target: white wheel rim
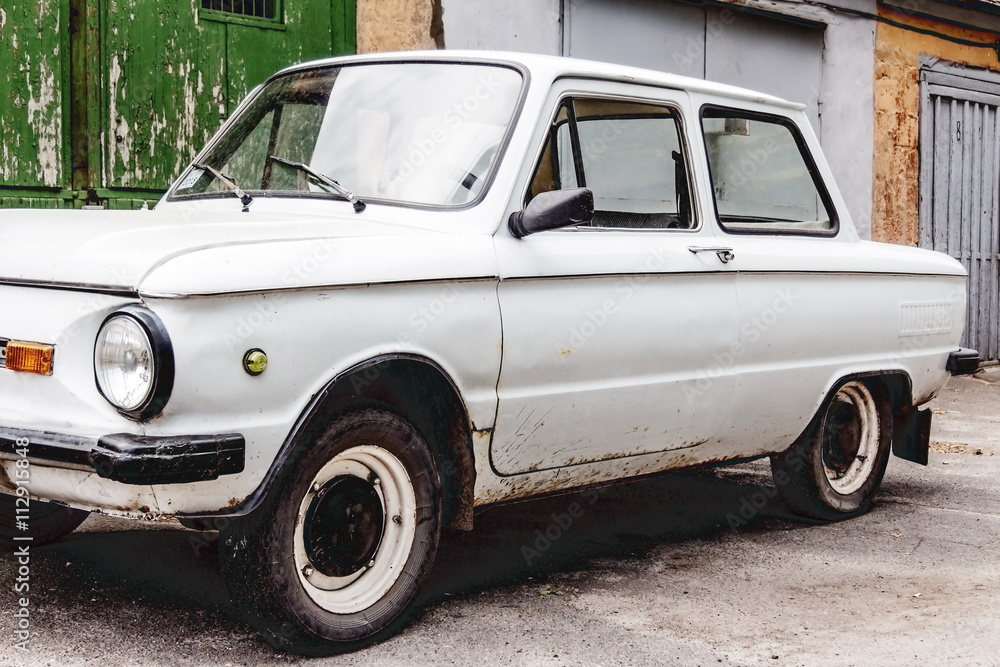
{"points": [[860, 469], [362, 589]]}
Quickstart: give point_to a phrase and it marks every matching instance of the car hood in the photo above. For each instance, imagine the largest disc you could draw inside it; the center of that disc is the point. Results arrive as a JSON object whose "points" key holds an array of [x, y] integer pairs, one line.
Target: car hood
{"points": [[171, 253]]}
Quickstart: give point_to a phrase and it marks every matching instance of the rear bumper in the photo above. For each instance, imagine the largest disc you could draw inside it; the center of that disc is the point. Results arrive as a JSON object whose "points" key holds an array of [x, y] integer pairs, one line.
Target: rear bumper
{"points": [[134, 459], [963, 362]]}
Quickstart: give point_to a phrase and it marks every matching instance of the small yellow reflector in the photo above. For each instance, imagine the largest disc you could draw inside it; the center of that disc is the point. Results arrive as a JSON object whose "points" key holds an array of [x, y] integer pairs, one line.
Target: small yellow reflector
{"points": [[29, 357], [254, 362]]}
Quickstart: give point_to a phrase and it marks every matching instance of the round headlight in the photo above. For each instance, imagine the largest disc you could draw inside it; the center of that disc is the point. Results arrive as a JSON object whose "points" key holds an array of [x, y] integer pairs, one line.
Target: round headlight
{"points": [[133, 363]]}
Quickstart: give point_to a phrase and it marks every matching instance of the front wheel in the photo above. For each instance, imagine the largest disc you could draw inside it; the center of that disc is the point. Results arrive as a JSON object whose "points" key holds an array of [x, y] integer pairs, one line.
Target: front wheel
{"points": [[44, 523], [834, 471], [334, 559]]}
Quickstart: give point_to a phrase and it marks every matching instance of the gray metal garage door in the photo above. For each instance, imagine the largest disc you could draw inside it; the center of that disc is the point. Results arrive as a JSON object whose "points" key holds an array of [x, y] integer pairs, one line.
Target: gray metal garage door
{"points": [[960, 186], [719, 44]]}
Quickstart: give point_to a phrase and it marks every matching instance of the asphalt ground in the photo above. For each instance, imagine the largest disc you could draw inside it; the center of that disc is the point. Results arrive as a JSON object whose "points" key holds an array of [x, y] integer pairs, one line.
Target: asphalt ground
{"points": [[694, 568]]}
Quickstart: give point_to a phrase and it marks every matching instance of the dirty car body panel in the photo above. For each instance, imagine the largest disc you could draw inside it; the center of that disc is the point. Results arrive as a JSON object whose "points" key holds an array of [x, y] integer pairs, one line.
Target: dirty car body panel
{"points": [[715, 305]]}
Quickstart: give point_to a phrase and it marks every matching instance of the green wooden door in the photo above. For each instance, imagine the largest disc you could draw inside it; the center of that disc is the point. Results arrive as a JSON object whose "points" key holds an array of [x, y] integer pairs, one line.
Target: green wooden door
{"points": [[176, 69], [34, 69], [163, 93], [106, 101]]}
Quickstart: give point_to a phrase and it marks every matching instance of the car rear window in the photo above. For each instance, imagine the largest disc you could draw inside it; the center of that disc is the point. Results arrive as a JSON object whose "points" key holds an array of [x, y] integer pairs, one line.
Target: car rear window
{"points": [[763, 178]]}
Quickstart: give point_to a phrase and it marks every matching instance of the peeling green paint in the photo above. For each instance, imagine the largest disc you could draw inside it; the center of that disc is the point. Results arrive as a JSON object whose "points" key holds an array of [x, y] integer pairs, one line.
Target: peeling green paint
{"points": [[150, 82], [31, 94]]}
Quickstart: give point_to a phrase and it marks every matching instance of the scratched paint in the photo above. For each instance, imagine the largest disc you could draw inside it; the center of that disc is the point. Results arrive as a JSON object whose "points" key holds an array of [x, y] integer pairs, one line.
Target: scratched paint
{"points": [[492, 489], [113, 78], [155, 124], [31, 90], [46, 123]]}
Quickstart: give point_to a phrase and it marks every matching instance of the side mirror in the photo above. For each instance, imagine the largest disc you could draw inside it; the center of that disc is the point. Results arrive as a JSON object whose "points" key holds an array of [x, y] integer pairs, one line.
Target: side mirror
{"points": [[552, 210]]}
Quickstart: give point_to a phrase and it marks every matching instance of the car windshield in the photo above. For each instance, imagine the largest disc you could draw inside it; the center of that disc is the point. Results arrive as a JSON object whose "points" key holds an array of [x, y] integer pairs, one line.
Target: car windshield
{"points": [[420, 133]]}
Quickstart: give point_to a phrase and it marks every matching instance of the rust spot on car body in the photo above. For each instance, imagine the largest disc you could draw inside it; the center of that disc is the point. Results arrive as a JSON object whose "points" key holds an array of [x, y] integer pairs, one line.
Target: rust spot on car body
{"points": [[461, 476], [5, 480], [588, 475]]}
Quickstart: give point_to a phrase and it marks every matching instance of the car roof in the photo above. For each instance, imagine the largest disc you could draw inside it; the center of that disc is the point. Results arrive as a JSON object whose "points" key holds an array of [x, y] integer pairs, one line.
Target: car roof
{"points": [[550, 68]]}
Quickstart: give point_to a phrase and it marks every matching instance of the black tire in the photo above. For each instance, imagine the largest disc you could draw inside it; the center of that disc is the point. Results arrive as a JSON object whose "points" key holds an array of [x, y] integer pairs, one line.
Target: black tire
{"points": [[835, 469], [367, 491], [47, 522]]}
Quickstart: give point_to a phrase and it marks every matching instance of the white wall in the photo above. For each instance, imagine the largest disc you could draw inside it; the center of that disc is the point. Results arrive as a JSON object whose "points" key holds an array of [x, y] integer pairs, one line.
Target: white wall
{"points": [[531, 26], [848, 111]]}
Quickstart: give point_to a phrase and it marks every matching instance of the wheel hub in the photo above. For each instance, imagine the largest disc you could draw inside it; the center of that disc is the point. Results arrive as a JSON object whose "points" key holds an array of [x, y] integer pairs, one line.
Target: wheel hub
{"points": [[344, 526], [843, 436]]}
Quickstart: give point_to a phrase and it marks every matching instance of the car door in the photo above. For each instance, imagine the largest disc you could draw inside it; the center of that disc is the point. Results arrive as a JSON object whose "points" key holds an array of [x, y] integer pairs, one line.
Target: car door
{"points": [[616, 333], [802, 298]]}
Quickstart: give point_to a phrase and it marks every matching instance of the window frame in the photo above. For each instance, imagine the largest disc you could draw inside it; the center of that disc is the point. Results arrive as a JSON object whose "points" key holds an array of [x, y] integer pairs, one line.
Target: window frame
{"points": [[220, 16], [501, 154], [685, 145], [807, 158]]}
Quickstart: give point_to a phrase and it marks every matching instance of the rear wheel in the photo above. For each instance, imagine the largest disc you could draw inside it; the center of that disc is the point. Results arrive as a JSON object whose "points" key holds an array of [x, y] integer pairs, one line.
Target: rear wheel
{"points": [[46, 522], [834, 471], [334, 560]]}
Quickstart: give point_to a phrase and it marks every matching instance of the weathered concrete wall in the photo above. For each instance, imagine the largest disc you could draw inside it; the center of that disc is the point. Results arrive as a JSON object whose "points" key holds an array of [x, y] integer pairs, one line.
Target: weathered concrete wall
{"points": [[846, 101], [399, 25], [532, 26], [897, 116]]}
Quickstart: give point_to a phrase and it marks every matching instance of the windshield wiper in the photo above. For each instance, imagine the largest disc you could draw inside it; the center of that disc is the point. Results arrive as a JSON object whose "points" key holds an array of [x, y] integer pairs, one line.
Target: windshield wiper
{"points": [[324, 180], [245, 199]]}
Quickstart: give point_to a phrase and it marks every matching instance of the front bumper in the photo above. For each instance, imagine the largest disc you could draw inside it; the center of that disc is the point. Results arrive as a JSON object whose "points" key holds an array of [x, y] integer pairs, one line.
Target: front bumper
{"points": [[135, 459]]}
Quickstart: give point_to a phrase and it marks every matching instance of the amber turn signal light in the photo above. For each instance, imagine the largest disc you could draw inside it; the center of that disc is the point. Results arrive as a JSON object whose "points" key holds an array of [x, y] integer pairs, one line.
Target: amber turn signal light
{"points": [[29, 357]]}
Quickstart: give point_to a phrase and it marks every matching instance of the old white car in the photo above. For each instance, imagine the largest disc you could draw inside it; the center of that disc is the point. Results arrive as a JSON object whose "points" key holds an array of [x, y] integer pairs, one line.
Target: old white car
{"points": [[398, 288]]}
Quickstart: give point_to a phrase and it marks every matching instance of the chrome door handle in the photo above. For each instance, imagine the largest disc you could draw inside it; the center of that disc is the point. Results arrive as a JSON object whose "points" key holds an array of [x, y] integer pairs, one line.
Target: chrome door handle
{"points": [[725, 254]]}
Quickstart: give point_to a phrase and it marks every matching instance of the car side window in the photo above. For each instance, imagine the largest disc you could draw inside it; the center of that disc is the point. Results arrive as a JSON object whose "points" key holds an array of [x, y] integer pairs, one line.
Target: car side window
{"points": [[631, 156], [763, 177]]}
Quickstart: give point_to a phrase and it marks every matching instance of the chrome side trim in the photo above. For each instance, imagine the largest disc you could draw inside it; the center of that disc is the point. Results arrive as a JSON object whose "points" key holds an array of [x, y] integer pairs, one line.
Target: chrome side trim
{"points": [[150, 294], [112, 290]]}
